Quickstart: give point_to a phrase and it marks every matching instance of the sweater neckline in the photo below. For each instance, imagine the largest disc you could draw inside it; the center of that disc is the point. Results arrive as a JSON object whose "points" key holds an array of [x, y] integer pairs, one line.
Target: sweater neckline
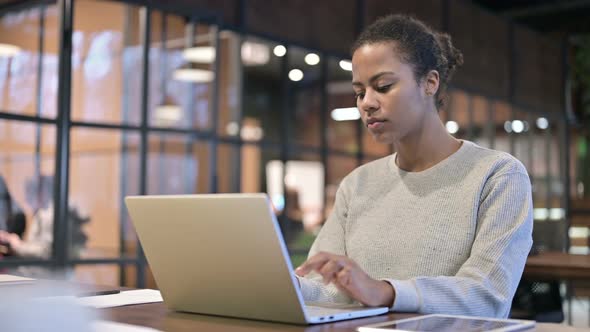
{"points": [[441, 164]]}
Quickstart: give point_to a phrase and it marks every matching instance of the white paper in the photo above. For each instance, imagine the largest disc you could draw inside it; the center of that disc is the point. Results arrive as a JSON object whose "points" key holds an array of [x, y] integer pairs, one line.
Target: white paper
{"points": [[6, 279], [104, 326], [129, 297]]}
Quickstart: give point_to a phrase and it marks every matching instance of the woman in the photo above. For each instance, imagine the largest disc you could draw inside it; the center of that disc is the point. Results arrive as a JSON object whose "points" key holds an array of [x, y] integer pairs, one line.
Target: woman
{"points": [[39, 241], [440, 226], [40, 236], [12, 218]]}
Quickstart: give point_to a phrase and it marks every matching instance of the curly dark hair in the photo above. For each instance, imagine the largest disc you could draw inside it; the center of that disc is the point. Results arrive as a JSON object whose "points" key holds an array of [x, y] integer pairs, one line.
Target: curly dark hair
{"points": [[418, 45]]}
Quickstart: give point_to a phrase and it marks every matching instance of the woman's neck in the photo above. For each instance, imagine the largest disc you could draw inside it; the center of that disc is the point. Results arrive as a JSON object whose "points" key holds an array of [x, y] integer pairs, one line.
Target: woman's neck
{"points": [[426, 146]]}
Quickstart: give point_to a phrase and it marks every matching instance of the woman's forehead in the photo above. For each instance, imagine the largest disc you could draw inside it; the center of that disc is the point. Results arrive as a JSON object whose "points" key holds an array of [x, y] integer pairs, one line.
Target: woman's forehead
{"points": [[371, 59], [380, 49]]}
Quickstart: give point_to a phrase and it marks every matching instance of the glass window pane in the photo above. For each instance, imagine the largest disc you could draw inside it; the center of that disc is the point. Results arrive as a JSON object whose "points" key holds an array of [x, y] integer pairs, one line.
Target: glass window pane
{"points": [[459, 112], [103, 274], [130, 185], [520, 130], [339, 166], [342, 115], [177, 165], [111, 275], [23, 88], [302, 210], [230, 97], [262, 88], [530, 137], [579, 161], [305, 98], [271, 170], [26, 188], [98, 75], [502, 119], [228, 168], [541, 168], [104, 168], [200, 160], [555, 183], [130, 277], [482, 128], [181, 73]]}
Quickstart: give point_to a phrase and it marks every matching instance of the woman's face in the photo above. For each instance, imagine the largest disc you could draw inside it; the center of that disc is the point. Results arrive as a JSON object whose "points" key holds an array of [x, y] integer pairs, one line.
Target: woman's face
{"points": [[392, 104]]}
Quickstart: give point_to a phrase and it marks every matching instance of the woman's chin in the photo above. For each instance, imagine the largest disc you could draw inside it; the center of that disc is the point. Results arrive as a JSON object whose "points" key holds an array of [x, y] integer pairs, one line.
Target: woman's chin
{"points": [[383, 138]]}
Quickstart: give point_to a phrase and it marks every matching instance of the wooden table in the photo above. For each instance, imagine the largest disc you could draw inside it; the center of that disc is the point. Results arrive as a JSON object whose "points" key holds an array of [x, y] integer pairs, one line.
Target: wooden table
{"points": [[548, 265], [156, 315], [557, 265]]}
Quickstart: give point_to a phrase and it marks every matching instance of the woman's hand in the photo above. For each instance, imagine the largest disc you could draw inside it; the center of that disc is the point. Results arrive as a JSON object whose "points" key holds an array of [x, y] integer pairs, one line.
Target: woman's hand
{"points": [[349, 278], [10, 239]]}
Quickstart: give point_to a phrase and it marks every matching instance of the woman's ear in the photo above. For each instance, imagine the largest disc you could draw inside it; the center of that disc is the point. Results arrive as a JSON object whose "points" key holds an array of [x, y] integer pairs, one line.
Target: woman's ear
{"points": [[431, 82]]}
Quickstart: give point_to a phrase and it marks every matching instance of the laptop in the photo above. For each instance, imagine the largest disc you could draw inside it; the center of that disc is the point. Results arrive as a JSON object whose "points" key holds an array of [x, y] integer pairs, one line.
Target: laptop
{"points": [[223, 254]]}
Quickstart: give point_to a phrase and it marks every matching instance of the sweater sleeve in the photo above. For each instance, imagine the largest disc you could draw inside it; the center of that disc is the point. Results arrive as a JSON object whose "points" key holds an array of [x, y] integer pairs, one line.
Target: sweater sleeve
{"points": [[39, 241], [330, 239], [485, 284]]}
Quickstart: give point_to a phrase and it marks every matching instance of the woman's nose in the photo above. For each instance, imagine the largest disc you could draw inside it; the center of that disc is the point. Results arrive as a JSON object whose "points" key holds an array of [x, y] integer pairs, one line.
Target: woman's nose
{"points": [[369, 102]]}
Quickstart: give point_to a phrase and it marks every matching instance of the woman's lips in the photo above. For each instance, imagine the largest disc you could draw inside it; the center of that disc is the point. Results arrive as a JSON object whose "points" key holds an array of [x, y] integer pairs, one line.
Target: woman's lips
{"points": [[375, 125]]}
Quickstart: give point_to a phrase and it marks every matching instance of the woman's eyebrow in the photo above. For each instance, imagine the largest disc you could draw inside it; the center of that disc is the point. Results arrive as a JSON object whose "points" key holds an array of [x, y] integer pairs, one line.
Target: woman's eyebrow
{"points": [[373, 78]]}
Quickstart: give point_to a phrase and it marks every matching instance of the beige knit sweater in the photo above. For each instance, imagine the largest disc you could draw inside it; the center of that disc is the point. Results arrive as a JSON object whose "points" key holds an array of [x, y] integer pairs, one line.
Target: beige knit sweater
{"points": [[451, 239]]}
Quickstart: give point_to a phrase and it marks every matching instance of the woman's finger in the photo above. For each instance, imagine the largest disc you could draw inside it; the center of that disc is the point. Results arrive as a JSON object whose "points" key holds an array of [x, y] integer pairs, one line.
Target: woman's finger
{"points": [[315, 263], [330, 270], [344, 277]]}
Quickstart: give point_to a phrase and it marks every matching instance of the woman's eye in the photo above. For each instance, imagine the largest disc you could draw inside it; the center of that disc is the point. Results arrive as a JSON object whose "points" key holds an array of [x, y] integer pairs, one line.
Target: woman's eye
{"points": [[360, 95], [384, 88]]}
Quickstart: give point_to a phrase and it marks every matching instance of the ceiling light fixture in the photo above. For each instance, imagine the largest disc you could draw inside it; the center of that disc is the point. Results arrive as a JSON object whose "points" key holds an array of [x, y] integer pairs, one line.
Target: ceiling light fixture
{"points": [[255, 54], [8, 50], [193, 75], [542, 123], [312, 59], [345, 114], [295, 75], [199, 54], [279, 50], [517, 126], [346, 65], [452, 127]]}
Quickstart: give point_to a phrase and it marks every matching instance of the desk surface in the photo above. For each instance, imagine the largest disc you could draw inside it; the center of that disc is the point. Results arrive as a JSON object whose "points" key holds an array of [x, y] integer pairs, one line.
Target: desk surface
{"points": [[554, 265], [156, 315], [558, 265]]}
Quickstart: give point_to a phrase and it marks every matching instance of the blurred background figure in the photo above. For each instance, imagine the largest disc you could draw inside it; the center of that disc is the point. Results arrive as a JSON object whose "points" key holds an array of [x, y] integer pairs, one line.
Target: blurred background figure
{"points": [[39, 239], [12, 218], [40, 236]]}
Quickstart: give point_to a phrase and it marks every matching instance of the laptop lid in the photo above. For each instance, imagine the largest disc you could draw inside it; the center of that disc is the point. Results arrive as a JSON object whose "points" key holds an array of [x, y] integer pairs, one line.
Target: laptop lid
{"points": [[219, 254]]}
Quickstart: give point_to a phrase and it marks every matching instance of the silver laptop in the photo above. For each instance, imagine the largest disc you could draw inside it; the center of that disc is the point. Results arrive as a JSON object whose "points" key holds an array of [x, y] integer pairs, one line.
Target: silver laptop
{"points": [[223, 254]]}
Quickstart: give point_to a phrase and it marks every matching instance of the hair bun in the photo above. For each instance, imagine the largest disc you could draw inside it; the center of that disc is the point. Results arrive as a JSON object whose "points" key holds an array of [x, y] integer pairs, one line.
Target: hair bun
{"points": [[453, 56]]}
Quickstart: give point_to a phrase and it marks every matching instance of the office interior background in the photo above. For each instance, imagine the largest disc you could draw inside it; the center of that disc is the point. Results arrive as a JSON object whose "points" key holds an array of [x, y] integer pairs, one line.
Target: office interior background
{"points": [[103, 99]]}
